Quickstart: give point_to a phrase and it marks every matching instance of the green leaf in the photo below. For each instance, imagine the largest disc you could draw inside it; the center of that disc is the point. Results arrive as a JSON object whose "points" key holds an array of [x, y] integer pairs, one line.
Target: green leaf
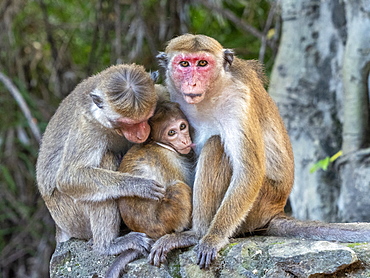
{"points": [[324, 163]]}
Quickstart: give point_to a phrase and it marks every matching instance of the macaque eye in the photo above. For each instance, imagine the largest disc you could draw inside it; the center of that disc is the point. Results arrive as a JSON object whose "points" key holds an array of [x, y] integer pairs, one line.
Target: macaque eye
{"points": [[97, 100], [184, 64], [182, 126], [171, 132], [202, 63]]}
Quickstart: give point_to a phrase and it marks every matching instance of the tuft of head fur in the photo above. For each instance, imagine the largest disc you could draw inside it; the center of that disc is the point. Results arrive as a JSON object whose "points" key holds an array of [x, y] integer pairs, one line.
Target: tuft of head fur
{"points": [[129, 89], [164, 112], [194, 43]]}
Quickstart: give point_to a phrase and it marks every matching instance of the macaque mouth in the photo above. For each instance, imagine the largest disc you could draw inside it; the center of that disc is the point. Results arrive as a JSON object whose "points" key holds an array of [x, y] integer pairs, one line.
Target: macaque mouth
{"points": [[192, 145], [193, 95]]}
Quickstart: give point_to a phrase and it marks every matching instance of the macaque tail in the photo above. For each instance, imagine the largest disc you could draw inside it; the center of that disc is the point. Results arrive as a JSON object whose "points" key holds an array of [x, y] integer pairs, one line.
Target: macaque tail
{"points": [[342, 232], [118, 266]]}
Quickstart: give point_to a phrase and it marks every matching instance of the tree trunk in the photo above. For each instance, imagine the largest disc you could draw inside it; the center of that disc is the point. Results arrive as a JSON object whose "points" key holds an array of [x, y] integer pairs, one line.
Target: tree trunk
{"points": [[354, 166], [356, 67], [306, 84]]}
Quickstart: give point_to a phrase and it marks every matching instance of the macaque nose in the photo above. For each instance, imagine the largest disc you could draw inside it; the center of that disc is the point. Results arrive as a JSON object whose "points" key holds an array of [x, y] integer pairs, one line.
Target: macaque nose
{"points": [[186, 141], [143, 131]]}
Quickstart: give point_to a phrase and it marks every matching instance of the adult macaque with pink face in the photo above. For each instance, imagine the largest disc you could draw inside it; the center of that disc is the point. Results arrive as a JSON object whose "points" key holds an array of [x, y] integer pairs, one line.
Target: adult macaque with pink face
{"points": [[194, 72], [245, 167]]}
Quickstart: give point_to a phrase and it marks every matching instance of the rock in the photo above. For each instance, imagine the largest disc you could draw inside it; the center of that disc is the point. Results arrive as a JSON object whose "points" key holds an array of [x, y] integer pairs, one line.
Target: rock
{"points": [[244, 257], [353, 202]]}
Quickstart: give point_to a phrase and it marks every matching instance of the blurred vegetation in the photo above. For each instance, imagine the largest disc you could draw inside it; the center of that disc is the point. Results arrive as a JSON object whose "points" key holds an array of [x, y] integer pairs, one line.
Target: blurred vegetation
{"points": [[48, 46]]}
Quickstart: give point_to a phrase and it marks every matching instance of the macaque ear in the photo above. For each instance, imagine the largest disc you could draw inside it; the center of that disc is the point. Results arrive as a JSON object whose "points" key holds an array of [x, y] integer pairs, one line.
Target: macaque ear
{"points": [[154, 76], [97, 98], [162, 59], [228, 58]]}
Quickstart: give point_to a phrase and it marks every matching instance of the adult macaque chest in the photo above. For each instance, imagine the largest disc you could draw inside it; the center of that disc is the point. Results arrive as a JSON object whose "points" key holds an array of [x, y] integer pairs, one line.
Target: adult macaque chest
{"points": [[203, 130]]}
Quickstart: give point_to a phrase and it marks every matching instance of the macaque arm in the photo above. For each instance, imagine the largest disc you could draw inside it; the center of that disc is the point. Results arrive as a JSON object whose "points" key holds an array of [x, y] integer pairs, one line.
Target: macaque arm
{"points": [[85, 180], [110, 184], [248, 169]]}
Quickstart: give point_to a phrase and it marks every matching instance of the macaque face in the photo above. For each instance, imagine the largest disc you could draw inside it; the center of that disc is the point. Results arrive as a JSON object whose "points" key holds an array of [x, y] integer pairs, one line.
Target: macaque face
{"points": [[193, 74], [177, 135], [134, 130]]}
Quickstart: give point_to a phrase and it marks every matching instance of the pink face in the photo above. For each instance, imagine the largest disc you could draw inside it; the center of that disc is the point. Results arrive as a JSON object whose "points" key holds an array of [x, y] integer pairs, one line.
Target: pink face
{"points": [[193, 74], [177, 136], [135, 131]]}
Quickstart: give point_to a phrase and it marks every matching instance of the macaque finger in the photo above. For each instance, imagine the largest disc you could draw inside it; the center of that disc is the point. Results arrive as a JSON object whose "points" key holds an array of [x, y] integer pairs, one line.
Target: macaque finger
{"points": [[206, 254], [157, 191]]}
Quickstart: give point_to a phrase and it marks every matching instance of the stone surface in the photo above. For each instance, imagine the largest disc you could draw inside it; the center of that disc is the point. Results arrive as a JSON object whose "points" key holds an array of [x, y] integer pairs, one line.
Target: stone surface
{"points": [[245, 257], [353, 202]]}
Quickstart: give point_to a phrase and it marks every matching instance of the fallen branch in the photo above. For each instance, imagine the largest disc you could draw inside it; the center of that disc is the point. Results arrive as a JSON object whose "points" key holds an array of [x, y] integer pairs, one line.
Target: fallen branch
{"points": [[22, 104], [240, 23]]}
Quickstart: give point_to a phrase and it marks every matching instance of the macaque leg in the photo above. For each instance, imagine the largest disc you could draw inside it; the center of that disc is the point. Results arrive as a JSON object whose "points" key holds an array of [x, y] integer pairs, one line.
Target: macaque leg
{"points": [[66, 228], [157, 218], [214, 172], [209, 196], [105, 235], [270, 202], [178, 207], [174, 212]]}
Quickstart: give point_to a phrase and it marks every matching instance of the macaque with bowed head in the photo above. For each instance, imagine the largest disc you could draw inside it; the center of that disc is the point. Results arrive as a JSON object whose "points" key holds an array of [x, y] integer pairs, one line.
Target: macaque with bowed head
{"points": [[245, 167], [81, 150], [164, 158]]}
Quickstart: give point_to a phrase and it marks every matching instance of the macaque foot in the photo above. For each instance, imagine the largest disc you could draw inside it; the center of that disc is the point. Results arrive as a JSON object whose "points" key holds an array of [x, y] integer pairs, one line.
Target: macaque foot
{"points": [[207, 250], [160, 249], [206, 255], [133, 240], [169, 242]]}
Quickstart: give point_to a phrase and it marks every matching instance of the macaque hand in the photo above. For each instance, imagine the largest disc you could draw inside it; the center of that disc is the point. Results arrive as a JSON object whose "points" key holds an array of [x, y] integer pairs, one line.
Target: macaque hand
{"points": [[207, 250], [149, 189]]}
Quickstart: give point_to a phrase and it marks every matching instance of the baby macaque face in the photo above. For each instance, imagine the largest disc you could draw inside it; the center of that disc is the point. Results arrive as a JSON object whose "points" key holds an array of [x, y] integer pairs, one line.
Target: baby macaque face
{"points": [[176, 134]]}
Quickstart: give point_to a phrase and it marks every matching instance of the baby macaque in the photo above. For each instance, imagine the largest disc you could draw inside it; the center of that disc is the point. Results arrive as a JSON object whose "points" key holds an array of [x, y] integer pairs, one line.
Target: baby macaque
{"points": [[162, 158], [166, 158]]}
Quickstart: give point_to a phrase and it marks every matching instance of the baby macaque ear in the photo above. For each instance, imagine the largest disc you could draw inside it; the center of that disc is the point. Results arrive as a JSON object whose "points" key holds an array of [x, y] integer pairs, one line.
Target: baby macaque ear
{"points": [[97, 98]]}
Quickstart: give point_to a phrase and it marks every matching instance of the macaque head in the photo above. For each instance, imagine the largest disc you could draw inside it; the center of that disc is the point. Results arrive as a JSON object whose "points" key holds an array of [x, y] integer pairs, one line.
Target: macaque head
{"points": [[170, 127], [124, 100], [194, 63]]}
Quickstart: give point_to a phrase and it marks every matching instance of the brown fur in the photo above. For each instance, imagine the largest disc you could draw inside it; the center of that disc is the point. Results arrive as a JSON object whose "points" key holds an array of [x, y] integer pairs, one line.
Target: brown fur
{"points": [[173, 212], [152, 161], [245, 167], [235, 120], [81, 151]]}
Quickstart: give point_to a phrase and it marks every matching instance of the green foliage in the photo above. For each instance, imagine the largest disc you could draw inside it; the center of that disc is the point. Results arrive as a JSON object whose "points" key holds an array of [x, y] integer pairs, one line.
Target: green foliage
{"points": [[230, 35], [324, 163], [41, 44]]}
